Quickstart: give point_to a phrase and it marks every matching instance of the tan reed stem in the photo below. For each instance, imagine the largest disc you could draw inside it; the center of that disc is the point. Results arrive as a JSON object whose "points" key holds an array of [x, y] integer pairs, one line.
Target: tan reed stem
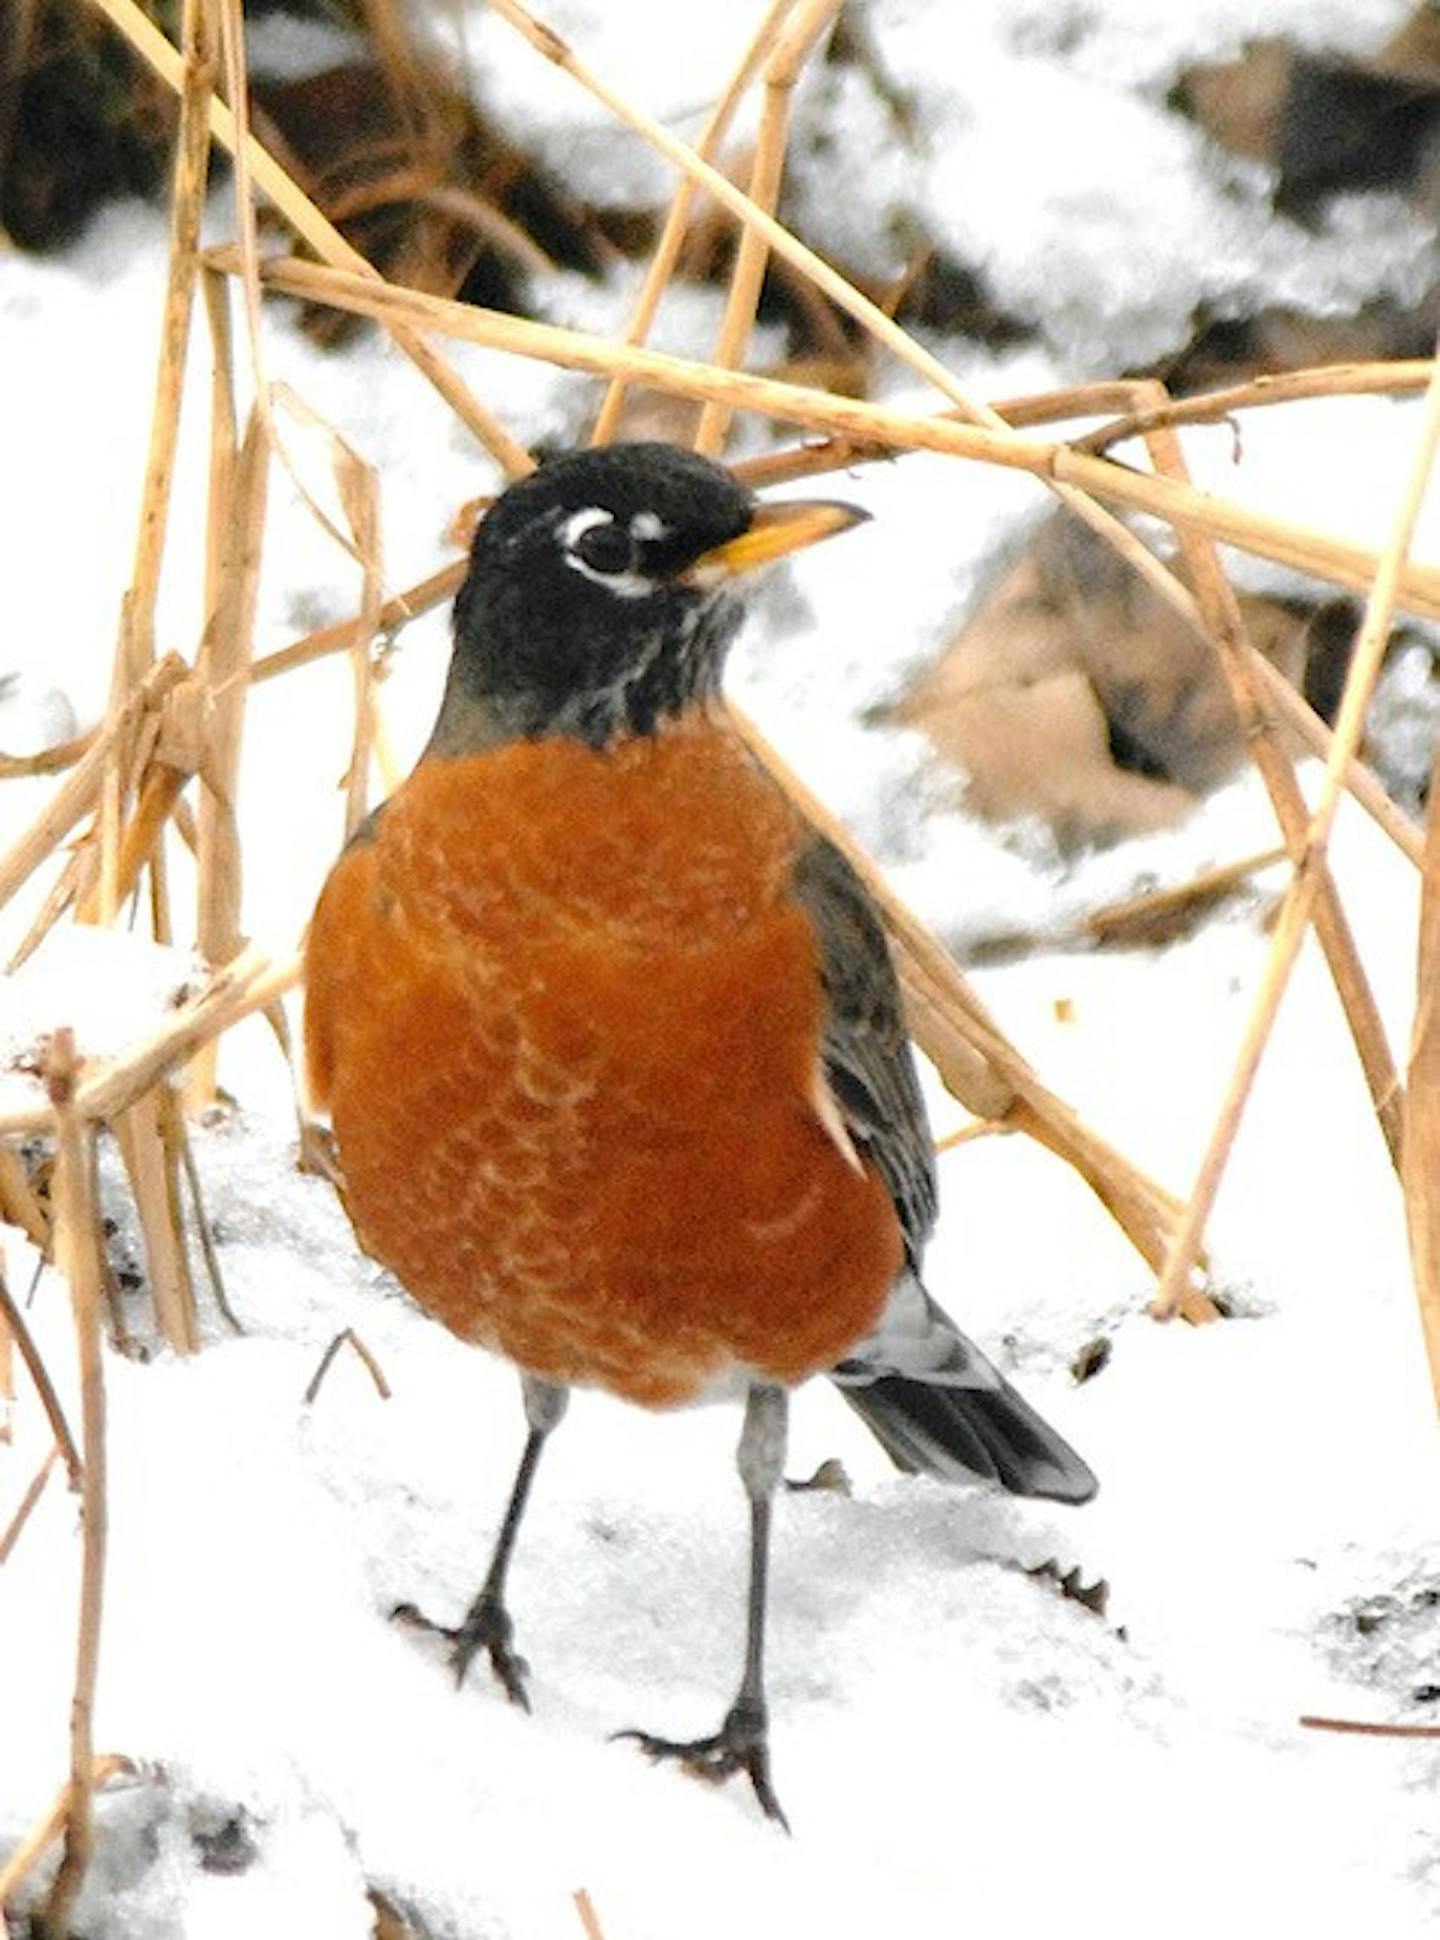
{"points": [[812, 18], [320, 234], [76, 1247], [667, 250], [1309, 874]]}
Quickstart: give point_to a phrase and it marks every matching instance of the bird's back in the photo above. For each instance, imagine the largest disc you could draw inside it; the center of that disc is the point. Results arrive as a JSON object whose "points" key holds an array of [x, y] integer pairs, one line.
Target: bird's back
{"points": [[566, 1011]]}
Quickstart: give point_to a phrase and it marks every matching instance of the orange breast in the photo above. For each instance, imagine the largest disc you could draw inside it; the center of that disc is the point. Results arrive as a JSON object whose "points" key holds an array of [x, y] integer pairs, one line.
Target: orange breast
{"points": [[566, 1017]]}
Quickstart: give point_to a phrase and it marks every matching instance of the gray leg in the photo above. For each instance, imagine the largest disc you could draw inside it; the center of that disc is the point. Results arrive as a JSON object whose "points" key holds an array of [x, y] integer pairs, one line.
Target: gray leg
{"points": [[742, 1743], [486, 1625]]}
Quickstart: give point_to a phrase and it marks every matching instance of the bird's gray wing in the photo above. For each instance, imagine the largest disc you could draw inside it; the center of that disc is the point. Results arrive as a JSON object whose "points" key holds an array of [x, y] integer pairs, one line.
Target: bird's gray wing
{"points": [[868, 1061]]}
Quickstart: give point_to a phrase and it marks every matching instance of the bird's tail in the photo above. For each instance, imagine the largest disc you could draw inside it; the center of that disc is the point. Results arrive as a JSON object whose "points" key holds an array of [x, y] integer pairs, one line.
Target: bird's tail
{"points": [[960, 1433], [939, 1407]]}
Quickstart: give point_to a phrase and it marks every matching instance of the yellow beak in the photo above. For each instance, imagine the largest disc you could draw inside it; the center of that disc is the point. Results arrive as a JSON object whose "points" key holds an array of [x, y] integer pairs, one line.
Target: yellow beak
{"points": [[778, 528]]}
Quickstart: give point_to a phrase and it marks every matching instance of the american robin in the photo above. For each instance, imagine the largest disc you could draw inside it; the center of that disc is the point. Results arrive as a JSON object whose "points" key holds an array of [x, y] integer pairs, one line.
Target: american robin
{"points": [[611, 1039]]}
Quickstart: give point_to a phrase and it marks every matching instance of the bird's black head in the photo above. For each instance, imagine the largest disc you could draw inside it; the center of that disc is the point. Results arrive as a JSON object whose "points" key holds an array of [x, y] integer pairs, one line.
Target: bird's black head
{"points": [[598, 600]]}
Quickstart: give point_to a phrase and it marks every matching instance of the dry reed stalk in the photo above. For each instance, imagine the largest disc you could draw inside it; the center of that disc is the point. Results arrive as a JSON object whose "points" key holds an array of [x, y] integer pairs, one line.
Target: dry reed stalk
{"points": [[13, 1320], [1237, 655], [672, 236], [19, 1205], [344, 635], [811, 20], [1363, 783], [187, 201], [347, 1337], [249, 983], [65, 890], [589, 1918], [32, 1849], [321, 235], [1363, 1728], [876, 321], [1376, 379], [7, 1384], [1118, 395], [76, 1245], [180, 1136], [27, 1504], [1320, 554], [144, 1134], [1420, 1170], [970, 1134], [1310, 873], [1130, 911], [359, 489], [224, 430], [158, 795], [49, 761], [222, 666]]}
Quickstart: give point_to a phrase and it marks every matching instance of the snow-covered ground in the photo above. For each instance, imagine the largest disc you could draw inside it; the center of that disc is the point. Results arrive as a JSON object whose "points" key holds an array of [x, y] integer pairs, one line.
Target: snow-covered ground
{"points": [[956, 1743]]}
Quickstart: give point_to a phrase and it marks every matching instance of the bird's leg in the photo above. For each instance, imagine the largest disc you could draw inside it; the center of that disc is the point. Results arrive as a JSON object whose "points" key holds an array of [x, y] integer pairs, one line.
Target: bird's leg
{"points": [[742, 1744], [486, 1624]]}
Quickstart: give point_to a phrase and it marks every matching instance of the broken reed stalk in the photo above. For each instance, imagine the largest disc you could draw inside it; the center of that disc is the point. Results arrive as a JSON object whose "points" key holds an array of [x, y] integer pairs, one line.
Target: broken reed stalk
{"points": [[1364, 1728], [24, 1510], [812, 19], [249, 983], [1137, 912], [1371, 379], [1420, 1171], [1236, 655], [321, 235], [15, 1323], [1364, 784], [666, 253], [77, 1252], [347, 1337], [1310, 874], [589, 1918], [32, 1849], [144, 1133], [1178, 505]]}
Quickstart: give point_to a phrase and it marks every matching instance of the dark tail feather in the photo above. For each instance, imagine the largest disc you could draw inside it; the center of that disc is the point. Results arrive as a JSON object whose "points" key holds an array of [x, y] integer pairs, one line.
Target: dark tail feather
{"points": [[957, 1433]]}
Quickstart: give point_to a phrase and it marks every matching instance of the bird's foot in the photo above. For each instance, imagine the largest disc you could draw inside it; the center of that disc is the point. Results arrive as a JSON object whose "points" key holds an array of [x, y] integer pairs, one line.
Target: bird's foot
{"points": [[742, 1744], [487, 1627]]}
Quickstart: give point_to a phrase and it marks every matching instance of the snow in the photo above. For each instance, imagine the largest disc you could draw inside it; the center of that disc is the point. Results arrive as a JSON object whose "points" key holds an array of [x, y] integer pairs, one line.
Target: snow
{"points": [[955, 1742]]}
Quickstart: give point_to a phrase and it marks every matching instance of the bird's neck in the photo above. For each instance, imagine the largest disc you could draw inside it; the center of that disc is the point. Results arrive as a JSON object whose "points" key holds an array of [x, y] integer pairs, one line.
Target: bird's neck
{"points": [[678, 678]]}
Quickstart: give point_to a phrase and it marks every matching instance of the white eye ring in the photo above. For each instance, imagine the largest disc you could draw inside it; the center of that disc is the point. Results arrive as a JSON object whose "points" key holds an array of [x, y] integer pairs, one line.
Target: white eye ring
{"points": [[628, 585]]}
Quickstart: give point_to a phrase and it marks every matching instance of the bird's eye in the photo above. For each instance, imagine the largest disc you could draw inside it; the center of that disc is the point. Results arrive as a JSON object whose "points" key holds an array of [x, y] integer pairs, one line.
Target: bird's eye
{"points": [[604, 548]]}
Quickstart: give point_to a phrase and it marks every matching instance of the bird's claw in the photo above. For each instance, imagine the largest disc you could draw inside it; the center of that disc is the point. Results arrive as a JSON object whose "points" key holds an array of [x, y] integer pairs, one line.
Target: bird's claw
{"points": [[740, 1745], [486, 1627]]}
